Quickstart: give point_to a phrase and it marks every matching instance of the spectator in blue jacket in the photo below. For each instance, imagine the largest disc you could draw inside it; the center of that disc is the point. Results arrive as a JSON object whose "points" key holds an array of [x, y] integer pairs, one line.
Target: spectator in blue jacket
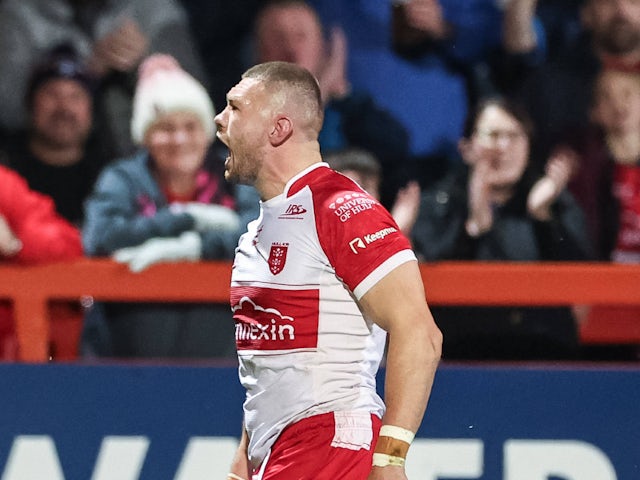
{"points": [[164, 205]]}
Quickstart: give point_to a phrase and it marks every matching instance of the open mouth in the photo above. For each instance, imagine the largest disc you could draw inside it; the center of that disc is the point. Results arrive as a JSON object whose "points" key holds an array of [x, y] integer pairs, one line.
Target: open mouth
{"points": [[219, 137]]}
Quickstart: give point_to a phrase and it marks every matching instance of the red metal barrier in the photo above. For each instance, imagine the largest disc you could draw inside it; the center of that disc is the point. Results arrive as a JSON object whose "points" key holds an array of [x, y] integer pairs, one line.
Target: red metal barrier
{"points": [[446, 283]]}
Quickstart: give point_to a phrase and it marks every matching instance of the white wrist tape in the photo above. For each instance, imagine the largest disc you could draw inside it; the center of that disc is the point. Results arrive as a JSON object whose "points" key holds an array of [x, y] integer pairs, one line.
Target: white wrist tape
{"points": [[398, 433], [384, 460], [233, 476]]}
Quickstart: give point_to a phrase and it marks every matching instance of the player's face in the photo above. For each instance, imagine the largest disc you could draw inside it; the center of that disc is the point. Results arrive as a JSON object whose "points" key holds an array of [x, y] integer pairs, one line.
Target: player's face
{"points": [[617, 102], [178, 143], [501, 145], [243, 128]]}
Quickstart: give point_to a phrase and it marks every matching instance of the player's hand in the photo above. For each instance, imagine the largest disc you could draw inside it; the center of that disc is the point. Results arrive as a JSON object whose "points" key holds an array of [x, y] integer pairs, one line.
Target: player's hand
{"points": [[387, 473]]}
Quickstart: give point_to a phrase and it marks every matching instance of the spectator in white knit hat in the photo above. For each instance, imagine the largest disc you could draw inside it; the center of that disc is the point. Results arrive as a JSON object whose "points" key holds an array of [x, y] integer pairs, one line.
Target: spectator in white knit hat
{"points": [[167, 203]]}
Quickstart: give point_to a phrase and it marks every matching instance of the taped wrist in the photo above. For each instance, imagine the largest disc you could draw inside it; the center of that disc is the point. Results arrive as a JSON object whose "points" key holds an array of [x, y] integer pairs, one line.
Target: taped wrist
{"points": [[392, 446]]}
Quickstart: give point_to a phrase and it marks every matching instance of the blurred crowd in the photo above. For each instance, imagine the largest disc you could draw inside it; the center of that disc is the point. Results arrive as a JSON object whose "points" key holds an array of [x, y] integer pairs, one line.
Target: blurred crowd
{"points": [[493, 130]]}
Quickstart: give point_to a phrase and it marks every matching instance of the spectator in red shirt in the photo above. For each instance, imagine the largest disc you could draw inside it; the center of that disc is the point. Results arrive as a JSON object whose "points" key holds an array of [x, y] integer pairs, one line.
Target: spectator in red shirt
{"points": [[31, 232]]}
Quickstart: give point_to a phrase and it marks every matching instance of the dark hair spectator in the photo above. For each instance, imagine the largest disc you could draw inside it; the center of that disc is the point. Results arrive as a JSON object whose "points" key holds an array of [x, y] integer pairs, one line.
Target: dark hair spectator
{"points": [[111, 38], [499, 208], [60, 153]]}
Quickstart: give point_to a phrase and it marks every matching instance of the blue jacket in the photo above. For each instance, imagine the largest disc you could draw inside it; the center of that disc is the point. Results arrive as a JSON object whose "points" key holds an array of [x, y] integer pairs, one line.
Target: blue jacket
{"points": [[127, 207]]}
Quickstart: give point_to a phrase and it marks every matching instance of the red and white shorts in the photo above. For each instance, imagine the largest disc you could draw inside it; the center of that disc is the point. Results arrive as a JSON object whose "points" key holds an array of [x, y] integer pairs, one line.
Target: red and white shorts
{"points": [[330, 446]]}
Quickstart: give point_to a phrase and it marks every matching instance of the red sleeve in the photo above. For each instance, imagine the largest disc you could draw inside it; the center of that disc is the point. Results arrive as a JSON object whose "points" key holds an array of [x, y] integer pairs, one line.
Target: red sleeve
{"points": [[357, 234], [45, 235]]}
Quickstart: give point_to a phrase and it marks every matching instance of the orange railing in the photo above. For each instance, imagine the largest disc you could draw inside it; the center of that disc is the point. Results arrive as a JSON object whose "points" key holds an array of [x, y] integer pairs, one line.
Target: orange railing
{"points": [[447, 283]]}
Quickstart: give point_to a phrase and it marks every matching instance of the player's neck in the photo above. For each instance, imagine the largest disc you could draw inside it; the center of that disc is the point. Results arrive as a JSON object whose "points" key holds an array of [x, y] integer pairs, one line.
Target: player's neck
{"points": [[283, 166]]}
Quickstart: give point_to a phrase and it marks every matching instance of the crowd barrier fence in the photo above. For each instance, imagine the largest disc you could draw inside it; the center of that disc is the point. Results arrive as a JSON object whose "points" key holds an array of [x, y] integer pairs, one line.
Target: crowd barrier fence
{"points": [[32, 288]]}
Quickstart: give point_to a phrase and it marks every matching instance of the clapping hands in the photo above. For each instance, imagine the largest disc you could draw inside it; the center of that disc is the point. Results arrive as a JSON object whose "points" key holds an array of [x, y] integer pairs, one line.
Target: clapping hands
{"points": [[558, 171]]}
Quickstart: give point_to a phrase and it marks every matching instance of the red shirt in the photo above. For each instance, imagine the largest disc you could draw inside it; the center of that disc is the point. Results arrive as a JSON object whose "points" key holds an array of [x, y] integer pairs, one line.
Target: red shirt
{"points": [[626, 189], [45, 237]]}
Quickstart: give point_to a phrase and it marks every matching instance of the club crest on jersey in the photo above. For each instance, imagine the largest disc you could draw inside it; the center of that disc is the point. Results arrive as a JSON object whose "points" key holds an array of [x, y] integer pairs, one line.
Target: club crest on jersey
{"points": [[277, 257]]}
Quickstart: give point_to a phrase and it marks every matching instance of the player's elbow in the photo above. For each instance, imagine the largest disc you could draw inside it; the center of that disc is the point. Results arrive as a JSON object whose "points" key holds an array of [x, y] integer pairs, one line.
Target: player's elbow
{"points": [[434, 339], [427, 341]]}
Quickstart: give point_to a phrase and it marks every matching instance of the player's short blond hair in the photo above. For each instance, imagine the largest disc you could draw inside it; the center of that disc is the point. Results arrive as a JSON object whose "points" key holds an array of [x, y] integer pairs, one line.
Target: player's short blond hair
{"points": [[293, 90]]}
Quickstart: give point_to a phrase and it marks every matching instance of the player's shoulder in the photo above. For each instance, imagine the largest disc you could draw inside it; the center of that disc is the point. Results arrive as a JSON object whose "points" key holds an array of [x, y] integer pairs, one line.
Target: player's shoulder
{"points": [[331, 189], [336, 196]]}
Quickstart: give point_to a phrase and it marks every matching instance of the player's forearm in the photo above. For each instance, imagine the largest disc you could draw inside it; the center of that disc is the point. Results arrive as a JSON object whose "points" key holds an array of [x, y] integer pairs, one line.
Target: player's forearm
{"points": [[240, 464], [412, 360]]}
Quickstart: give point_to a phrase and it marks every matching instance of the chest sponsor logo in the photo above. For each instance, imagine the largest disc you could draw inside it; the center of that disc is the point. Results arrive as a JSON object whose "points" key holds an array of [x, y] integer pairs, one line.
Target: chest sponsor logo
{"points": [[360, 243], [348, 206], [293, 212], [277, 257], [291, 324]]}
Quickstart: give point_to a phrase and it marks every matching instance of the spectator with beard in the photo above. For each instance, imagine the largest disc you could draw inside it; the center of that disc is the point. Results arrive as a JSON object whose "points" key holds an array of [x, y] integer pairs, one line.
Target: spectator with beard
{"points": [[558, 94], [111, 37], [58, 154]]}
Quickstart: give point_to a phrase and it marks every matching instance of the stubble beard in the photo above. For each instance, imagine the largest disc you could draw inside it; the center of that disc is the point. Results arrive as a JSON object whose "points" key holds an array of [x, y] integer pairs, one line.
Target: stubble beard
{"points": [[244, 169]]}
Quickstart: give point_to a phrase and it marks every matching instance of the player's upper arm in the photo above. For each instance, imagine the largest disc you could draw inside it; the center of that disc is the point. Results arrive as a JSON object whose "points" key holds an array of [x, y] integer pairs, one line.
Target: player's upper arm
{"points": [[398, 299]]}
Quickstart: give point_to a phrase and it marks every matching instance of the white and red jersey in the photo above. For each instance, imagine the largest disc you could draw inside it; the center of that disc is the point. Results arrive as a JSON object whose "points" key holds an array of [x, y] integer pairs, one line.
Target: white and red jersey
{"points": [[303, 345]]}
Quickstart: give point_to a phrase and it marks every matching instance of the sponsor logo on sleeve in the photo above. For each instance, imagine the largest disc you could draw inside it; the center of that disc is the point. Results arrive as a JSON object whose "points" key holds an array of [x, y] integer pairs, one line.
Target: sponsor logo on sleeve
{"points": [[349, 205], [360, 243]]}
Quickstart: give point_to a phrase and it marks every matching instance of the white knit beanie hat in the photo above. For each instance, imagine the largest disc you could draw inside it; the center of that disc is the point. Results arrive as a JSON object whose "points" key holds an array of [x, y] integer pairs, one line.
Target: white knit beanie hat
{"points": [[164, 87]]}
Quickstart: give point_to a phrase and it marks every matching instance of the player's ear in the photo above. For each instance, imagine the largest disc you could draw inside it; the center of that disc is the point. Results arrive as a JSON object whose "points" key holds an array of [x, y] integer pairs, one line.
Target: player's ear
{"points": [[282, 129]]}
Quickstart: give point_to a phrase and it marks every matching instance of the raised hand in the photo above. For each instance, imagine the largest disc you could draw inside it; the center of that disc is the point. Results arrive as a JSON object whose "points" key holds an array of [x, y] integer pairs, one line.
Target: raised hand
{"points": [[121, 50], [558, 170], [333, 78], [427, 16], [406, 206], [480, 218]]}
